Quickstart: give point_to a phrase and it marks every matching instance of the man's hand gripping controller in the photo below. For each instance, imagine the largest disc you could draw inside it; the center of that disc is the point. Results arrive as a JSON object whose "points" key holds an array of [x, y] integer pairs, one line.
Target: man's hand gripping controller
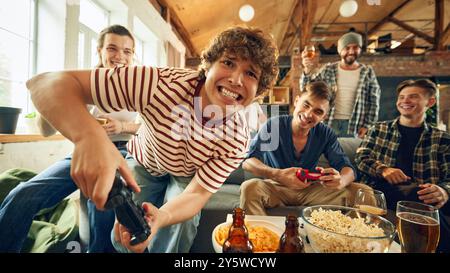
{"points": [[128, 213], [304, 174]]}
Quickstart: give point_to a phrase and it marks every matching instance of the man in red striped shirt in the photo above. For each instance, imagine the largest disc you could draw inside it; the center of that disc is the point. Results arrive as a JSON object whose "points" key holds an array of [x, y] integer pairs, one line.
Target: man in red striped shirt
{"points": [[192, 130]]}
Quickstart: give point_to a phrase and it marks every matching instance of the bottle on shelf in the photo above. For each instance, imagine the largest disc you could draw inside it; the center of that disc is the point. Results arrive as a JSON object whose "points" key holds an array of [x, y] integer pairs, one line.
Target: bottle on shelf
{"points": [[238, 241], [290, 241]]}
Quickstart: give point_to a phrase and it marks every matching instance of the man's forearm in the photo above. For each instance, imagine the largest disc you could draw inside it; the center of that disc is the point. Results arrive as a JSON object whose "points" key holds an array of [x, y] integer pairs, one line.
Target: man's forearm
{"points": [[184, 206], [45, 128], [366, 163], [347, 175], [130, 127], [61, 100], [256, 167]]}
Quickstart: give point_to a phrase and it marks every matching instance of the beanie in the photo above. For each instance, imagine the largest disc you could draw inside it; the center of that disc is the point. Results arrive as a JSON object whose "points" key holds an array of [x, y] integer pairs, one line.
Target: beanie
{"points": [[349, 38]]}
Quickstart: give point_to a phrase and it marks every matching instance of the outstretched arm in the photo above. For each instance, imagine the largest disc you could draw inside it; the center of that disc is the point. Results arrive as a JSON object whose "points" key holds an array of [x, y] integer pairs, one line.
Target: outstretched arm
{"points": [[61, 98], [45, 128]]}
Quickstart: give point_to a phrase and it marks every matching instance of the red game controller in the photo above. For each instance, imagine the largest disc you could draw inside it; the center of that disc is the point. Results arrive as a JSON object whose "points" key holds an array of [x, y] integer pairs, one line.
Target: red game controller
{"points": [[304, 174]]}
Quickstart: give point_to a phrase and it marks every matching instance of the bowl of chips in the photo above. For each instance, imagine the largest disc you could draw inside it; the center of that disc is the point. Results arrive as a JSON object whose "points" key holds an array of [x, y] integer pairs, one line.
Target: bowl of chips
{"points": [[264, 235]]}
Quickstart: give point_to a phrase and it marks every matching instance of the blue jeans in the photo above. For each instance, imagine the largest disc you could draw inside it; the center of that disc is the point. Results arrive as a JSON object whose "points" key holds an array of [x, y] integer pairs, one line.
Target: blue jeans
{"points": [[45, 190], [340, 127], [176, 238]]}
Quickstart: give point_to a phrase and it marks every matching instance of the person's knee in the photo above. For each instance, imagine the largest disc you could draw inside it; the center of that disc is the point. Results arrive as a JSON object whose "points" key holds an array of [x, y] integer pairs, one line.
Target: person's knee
{"points": [[252, 190], [22, 191], [250, 187]]}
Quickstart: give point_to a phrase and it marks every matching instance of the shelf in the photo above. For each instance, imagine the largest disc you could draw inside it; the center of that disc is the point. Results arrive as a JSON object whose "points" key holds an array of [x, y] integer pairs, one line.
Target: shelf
{"points": [[279, 95], [10, 138]]}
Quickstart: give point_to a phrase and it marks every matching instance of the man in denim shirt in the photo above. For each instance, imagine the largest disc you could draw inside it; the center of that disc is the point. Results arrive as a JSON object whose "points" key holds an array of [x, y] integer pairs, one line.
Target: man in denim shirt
{"points": [[287, 144]]}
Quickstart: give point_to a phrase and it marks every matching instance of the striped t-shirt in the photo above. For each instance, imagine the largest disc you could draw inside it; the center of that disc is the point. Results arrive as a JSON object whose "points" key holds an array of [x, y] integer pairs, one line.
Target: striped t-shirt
{"points": [[172, 139]]}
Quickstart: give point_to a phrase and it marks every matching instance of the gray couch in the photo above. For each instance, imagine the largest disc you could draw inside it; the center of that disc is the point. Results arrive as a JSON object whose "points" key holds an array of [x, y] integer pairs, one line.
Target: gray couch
{"points": [[223, 201]]}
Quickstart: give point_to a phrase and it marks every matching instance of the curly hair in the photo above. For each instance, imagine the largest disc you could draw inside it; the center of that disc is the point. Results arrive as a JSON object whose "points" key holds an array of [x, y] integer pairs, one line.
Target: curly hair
{"points": [[247, 43]]}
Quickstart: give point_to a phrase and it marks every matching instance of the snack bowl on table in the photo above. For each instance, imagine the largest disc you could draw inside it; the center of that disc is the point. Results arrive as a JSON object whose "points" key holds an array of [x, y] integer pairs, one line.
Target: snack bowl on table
{"points": [[337, 229], [264, 235]]}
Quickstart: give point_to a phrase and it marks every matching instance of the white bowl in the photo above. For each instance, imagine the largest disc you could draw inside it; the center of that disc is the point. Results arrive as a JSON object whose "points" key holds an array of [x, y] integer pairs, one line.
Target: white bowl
{"points": [[260, 223]]}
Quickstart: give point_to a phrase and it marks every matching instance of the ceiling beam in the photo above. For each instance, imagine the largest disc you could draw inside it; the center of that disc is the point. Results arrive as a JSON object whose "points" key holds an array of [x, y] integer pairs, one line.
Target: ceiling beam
{"points": [[289, 21], [309, 12], [445, 36], [411, 29], [301, 34], [181, 30], [438, 24], [386, 19]]}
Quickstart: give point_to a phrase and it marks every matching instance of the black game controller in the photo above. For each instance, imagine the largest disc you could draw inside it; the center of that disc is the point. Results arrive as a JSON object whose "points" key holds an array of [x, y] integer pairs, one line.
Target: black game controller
{"points": [[304, 174], [128, 213]]}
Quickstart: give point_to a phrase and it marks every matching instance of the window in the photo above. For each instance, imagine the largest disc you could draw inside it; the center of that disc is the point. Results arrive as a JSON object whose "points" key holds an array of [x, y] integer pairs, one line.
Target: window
{"points": [[146, 44], [17, 51], [92, 19], [93, 16]]}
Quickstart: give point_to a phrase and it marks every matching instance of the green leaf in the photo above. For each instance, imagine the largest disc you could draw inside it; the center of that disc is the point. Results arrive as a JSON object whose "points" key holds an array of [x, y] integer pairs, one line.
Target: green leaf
{"points": [[31, 115]]}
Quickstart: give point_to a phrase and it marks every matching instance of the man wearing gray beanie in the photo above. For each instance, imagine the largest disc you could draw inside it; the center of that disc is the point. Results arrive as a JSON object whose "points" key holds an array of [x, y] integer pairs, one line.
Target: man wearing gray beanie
{"points": [[356, 86]]}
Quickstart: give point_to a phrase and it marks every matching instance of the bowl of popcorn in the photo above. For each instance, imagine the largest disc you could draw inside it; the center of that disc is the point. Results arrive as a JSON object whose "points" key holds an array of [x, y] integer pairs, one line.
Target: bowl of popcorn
{"points": [[336, 229]]}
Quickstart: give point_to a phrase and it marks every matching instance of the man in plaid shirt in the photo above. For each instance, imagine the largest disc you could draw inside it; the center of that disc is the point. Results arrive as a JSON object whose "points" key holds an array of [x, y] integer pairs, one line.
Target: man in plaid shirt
{"points": [[356, 86], [408, 159]]}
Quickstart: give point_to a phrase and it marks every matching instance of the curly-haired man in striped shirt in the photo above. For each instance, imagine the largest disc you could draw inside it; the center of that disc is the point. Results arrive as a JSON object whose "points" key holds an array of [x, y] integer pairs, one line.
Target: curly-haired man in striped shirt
{"points": [[192, 130]]}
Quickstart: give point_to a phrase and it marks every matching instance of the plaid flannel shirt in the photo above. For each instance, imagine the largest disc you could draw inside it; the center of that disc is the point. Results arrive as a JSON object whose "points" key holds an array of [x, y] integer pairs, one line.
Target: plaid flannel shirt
{"points": [[367, 101], [431, 158]]}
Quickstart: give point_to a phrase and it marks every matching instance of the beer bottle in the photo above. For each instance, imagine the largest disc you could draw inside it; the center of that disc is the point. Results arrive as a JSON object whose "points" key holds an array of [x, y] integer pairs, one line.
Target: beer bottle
{"points": [[237, 241], [290, 241]]}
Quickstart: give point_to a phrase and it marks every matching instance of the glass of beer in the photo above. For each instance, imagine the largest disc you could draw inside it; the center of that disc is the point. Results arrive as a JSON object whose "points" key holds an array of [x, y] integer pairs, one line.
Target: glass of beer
{"points": [[310, 51], [371, 201], [418, 227]]}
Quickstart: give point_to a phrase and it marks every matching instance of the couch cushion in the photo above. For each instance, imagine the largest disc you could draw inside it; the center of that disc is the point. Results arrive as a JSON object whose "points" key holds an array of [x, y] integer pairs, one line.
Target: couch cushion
{"points": [[349, 145], [239, 176], [227, 197]]}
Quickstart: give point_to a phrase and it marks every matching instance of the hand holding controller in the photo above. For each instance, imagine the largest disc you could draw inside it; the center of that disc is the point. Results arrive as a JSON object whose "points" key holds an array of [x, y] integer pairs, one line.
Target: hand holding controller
{"points": [[304, 174], [128, 213]]}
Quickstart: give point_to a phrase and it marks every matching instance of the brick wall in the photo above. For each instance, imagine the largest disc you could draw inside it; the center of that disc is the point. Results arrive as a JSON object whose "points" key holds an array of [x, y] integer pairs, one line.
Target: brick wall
{"points": [[431, 64], [428, 65]]}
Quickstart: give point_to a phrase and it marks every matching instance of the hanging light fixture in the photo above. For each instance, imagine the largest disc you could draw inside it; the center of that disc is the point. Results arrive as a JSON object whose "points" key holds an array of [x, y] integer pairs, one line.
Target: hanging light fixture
{"points": [[246, 13], [348, 8]]}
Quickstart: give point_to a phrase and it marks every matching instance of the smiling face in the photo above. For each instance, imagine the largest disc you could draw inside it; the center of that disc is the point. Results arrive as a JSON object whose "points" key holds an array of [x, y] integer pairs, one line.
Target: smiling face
{"points": [[117, 50], [230, 81], [350, 53], [309, 111], [413, 102]]}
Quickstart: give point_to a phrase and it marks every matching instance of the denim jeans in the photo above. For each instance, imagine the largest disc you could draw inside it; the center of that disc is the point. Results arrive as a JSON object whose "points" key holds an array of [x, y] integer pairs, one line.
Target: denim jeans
{"points": [[340, 127], [176, 238], [45, 190]]}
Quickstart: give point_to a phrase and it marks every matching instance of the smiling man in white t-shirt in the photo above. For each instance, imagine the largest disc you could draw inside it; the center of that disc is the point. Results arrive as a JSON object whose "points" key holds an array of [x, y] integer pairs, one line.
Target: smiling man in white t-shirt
{"points": [[356, 86]]}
